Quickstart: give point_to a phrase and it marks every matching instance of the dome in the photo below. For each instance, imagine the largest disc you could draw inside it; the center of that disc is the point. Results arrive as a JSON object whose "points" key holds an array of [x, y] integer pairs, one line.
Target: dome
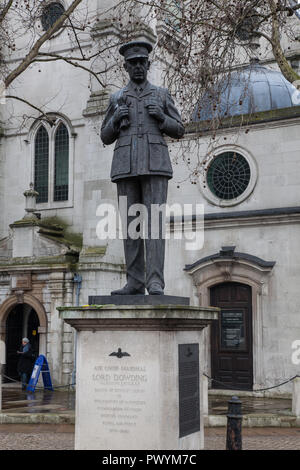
{"points": [[253, 89]]}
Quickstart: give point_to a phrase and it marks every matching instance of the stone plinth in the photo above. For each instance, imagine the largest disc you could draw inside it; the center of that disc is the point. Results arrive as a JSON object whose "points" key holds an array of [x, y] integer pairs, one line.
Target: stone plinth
{"points": [[139, 381], [138, 300]]}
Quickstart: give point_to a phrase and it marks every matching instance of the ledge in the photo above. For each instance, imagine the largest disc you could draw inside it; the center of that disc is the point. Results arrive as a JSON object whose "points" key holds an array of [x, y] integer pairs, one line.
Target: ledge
{"points": [[228, 253], [138, 317], [245, 120]]}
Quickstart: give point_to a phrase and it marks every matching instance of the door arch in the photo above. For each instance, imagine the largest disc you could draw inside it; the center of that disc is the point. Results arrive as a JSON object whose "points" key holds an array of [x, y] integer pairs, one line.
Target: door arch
{"points": [[22, 321], [231, 266], [39, 318], [231, 336]]}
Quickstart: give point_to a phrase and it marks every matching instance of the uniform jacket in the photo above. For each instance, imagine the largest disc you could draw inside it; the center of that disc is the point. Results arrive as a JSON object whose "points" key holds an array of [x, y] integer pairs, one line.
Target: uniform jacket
{"points": [[25, 362], [140, 147]]}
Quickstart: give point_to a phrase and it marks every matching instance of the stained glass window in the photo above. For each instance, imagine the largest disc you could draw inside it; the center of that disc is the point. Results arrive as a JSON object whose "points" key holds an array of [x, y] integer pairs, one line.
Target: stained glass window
{"points": [[41, 164], [61, 164], [228, 175]]}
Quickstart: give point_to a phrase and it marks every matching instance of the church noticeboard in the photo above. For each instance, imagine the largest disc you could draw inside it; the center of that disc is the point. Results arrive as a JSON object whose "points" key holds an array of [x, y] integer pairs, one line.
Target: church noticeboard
{"points": [[232, 330], [189, 395]]}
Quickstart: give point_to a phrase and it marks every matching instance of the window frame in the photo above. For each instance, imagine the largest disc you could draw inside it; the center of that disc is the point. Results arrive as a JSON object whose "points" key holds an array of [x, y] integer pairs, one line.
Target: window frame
{"points": [[38, 27], [204, 187], [51, 204]]}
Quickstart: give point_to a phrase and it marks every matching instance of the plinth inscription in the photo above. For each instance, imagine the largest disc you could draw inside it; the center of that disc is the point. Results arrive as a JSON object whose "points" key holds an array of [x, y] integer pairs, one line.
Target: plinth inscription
{"points": [[119, 396], [189, 397]]}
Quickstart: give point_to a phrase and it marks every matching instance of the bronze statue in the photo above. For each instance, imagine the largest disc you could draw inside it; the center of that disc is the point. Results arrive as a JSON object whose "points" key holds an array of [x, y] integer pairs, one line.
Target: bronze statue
{"points": [[136, 118]]}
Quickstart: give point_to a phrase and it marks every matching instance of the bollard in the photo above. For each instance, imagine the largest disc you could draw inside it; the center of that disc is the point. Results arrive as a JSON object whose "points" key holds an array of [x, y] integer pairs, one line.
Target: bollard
{"points": [[234, 425]]}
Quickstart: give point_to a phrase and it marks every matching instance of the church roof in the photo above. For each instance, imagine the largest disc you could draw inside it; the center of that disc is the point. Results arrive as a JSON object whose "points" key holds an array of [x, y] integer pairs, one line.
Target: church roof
{"points": [[255, 88]]}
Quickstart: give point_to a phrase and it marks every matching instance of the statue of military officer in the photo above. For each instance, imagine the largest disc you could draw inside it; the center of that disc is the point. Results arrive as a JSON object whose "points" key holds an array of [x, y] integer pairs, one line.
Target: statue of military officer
{"points": [[136, 118]]}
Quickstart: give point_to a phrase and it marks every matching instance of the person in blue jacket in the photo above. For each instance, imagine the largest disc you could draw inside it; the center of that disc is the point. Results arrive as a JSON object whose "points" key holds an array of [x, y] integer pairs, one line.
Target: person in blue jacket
{"points": [[25, 362]]}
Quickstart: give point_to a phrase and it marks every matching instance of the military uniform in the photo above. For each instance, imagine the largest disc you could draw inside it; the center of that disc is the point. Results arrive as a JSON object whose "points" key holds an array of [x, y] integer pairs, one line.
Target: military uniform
{"points": [[141, 167], [141, 148]]}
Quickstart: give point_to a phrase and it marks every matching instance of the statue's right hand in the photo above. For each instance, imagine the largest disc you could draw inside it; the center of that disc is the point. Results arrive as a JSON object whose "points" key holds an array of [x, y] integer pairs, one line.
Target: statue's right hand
{"points": [[120, 113]]}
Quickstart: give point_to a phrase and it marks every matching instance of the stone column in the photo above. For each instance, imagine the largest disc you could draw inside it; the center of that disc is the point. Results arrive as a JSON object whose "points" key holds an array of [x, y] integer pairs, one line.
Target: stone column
{"points": [[68, 335], [296, 397], [2, 363], [26, 312], [139, 381], [55, 333]]}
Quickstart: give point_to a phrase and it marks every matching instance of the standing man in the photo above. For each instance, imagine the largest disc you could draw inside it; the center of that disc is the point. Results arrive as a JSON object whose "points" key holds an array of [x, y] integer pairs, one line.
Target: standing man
{"points": [[137, 117], [25, 362]]}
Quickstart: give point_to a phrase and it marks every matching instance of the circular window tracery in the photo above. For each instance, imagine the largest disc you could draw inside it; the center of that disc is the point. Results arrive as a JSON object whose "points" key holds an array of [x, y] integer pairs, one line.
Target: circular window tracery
{"points": [[228, 175]]}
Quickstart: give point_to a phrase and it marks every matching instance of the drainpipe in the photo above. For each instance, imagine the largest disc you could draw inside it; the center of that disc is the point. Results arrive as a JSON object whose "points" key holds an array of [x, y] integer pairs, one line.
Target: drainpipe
{"points": [[77, 281], [2, 364]]}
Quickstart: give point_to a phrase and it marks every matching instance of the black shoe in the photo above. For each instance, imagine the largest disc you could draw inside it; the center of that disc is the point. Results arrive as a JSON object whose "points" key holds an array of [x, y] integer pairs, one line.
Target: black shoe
{"points": [[127, 290], [155, 289]]}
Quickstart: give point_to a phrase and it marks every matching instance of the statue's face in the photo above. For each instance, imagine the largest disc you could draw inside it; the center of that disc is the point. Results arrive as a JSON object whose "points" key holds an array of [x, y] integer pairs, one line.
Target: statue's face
{"points": [[137, 68]]}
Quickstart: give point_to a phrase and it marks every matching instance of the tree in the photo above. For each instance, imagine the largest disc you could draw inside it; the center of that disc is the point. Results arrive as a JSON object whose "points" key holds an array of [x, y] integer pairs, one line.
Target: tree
{"points": [[23, 33], [200, 42]]}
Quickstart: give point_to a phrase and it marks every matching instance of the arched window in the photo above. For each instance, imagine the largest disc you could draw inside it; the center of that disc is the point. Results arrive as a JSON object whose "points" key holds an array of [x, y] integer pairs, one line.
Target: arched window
{"points": [[41, 164], [61, 165], [52, 164]]}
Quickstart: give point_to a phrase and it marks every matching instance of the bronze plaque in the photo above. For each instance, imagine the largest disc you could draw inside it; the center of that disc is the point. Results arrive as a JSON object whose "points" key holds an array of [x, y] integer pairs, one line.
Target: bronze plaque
{"points": [[189, 395]]}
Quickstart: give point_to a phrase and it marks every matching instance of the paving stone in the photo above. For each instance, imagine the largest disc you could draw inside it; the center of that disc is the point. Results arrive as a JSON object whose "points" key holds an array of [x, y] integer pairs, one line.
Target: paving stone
{"points": [[50, 437], [256, 438]]}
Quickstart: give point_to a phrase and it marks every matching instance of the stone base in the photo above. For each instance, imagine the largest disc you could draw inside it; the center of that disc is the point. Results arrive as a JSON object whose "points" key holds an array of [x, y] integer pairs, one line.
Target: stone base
{"points": [[139, 376], [138, 300]]}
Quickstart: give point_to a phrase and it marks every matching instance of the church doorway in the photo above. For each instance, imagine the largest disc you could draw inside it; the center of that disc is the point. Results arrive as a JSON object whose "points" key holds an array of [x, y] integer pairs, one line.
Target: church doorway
{"points": [[231, 340], [21, 322]]}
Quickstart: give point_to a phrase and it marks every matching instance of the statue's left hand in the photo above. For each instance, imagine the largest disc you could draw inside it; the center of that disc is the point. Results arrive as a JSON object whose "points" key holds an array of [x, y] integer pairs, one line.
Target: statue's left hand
{"points": [[155, 111]]}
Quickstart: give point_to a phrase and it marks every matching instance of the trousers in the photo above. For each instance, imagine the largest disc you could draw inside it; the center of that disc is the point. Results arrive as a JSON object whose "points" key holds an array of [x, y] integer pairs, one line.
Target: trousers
{"points": [[143, 228]]}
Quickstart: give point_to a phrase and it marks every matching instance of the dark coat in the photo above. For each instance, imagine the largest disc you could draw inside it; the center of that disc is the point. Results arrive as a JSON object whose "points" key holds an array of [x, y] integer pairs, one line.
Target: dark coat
{"points": [[26, 361], [140, 148]]}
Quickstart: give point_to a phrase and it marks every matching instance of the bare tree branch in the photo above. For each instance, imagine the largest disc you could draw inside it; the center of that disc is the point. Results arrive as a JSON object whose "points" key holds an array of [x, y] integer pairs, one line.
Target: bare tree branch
{"points": [[5, 10], [35, 49], [46, 118], [283, 63]]}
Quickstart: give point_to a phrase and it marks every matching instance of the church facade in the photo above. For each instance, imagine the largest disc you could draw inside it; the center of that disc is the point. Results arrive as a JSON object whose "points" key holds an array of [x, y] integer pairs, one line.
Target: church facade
{"points": [[248, 265]]}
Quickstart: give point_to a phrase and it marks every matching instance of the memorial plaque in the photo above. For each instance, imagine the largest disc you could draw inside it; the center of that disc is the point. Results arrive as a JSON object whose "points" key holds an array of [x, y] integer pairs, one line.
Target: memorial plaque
{"points": [[189, 395]]}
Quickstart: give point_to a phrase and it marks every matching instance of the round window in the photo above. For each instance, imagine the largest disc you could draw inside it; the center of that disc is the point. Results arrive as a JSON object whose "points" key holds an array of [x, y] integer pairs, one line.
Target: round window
{"points": [[50, 14], [228, 175]]}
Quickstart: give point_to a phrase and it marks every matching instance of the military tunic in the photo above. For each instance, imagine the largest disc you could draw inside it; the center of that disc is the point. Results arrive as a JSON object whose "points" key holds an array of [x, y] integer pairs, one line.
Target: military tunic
{"points": [[140, 148]]}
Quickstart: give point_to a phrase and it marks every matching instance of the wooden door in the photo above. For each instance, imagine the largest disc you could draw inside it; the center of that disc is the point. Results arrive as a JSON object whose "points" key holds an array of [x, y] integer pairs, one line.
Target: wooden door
{"points": [[231, 341]]}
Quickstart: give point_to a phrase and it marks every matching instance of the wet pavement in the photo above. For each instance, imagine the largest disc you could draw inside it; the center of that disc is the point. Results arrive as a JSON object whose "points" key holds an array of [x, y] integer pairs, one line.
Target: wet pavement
{"points": [[43, 437], [218, 405], [15, 400], [61, 436]]}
